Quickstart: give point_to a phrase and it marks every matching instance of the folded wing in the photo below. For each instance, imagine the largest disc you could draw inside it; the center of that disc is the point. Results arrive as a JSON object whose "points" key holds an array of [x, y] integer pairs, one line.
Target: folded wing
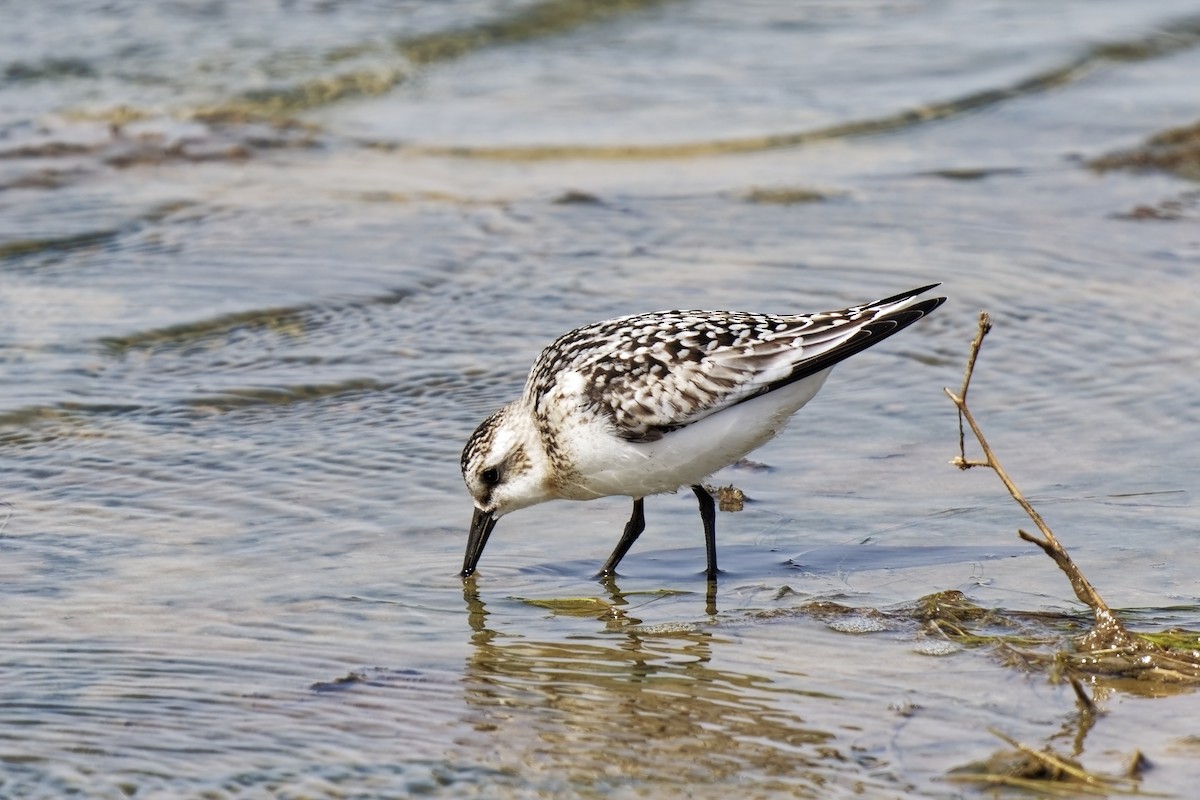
{"points": [[674, 368]]}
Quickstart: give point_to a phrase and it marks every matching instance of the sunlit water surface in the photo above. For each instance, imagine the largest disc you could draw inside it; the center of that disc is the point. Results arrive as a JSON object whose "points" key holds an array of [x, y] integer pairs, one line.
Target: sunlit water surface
{"points": [[245, 330]]}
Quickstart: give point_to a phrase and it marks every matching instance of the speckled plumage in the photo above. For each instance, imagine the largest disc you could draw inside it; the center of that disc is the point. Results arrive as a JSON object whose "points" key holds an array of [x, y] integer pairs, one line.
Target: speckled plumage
{"points": [[616, 407]]}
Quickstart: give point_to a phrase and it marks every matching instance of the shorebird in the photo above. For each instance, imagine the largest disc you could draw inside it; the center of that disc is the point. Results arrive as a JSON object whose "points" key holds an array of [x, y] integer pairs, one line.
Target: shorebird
{"points": [[649, 403]]}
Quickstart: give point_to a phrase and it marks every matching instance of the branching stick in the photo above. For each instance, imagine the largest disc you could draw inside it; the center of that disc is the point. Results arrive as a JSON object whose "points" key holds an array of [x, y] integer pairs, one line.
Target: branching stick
{"points": [[1108, 631]]}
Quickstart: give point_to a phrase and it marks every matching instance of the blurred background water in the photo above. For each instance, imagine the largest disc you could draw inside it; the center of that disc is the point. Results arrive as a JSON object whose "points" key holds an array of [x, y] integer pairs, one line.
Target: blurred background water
{"points": [[264, 266]]}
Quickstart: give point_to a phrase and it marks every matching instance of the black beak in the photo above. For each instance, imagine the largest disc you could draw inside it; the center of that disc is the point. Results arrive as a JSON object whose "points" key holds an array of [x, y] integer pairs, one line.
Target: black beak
{"points": [[481, 528]]}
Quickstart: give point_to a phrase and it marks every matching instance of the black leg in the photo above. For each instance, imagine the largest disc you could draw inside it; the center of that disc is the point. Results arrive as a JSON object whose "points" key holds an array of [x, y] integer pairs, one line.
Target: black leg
{"points": [[633, 529], [708, 515]]}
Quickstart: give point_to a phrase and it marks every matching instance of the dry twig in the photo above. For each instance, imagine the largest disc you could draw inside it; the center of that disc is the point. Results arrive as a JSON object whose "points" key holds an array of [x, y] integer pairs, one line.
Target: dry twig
{"points": [[1108, 631]]}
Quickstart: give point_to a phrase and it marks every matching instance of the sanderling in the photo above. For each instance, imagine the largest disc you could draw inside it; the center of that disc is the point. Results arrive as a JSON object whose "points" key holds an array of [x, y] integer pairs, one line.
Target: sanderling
{"points": [[650, 403]]}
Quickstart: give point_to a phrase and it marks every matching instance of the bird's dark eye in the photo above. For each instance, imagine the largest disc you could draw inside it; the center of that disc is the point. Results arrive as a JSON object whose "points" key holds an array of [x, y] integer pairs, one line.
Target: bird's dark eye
{"points": [[491, 476]]}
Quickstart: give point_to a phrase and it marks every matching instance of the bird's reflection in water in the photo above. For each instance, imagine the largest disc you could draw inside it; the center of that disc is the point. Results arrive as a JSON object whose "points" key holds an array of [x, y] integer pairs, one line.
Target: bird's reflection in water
{"points": [[634, 708]]}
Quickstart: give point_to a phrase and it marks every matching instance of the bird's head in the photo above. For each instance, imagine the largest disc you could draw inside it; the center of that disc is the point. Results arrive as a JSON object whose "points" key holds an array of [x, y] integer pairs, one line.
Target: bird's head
{"points": [[505, 469]]}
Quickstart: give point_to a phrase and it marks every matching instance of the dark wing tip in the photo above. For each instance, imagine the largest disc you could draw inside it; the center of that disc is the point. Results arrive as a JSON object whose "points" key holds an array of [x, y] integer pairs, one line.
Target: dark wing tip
{"points": [[896, 298], [920, 309], [870, 334], [877, 330]]}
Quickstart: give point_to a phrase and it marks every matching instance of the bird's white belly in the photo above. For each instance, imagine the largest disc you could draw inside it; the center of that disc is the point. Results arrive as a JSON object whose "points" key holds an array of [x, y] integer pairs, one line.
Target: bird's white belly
{"points": [[608, 465]]}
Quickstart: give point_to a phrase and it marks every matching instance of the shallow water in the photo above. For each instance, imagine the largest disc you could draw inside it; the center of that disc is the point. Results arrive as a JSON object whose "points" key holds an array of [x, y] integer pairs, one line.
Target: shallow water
{"points": [[253, 299]]}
